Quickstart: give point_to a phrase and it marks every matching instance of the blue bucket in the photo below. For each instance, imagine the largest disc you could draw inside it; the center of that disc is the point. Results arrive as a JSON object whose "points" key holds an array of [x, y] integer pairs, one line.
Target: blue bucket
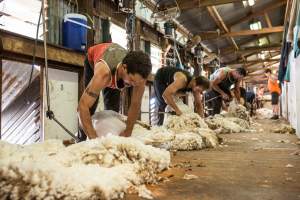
{"points": [[75, 31]]}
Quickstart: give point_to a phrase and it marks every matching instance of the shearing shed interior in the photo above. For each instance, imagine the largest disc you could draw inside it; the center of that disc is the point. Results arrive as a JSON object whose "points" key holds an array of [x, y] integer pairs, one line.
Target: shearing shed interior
{"points": [[150, 99]]}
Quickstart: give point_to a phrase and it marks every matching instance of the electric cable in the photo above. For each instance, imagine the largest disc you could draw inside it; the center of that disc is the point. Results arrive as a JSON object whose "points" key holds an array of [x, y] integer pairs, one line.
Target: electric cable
{"points": [[34, 48]]}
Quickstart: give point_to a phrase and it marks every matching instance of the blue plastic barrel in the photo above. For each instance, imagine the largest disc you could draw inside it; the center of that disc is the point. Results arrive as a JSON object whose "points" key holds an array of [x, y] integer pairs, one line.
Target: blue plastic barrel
{"points": [[75, 31]]}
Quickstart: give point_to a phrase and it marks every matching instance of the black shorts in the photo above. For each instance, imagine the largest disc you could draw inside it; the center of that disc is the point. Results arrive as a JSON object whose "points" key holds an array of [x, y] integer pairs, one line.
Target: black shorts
{"points": [[275, 98]]}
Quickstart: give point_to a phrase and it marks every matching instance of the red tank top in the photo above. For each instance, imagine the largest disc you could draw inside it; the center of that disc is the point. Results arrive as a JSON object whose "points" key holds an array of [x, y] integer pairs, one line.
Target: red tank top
{"points": [[111, 54]]}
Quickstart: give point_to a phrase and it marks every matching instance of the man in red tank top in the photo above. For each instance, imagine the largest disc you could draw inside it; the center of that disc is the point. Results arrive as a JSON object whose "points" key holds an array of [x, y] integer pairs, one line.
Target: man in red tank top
{"points": [[109, 68]]}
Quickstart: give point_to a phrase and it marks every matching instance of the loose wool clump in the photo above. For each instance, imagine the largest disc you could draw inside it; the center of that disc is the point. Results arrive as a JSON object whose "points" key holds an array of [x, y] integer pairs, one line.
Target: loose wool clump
{"points": [[185, 132], [238, 111], [264, 113], [104, 168], [223, 125]]}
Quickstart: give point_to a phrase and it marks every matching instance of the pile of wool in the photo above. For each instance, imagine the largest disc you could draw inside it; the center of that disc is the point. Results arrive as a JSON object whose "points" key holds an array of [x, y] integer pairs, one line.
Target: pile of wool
{"points": [[238, 111], [187, 122], [158, 136], [209, 137], [103, 168], [186, 132], [285, 129], [187, 141], [168, 139], [182, 106], [241, 122], [223, 124], [264, 113]]}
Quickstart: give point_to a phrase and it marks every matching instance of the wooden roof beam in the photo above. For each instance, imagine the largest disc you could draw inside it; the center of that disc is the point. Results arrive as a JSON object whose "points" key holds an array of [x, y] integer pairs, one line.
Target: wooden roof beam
{"points": [[211, 36], [230, 50], [253, 69], [191, 4], [251, 61], [259, 49], [268, 20]]}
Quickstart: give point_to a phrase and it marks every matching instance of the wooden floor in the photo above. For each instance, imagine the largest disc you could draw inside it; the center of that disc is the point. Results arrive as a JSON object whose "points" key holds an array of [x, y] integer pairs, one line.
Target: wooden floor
{"points": [[249, 166]]}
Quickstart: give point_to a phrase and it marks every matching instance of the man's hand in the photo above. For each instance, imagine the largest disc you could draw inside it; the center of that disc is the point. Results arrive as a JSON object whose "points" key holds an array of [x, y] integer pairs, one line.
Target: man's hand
{"points": [[225, 96], [178, 113], [126, 133]]}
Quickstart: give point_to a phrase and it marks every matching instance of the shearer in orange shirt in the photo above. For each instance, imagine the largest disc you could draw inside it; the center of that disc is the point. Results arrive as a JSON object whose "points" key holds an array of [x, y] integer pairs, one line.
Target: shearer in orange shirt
{"points": [[274, 89]]}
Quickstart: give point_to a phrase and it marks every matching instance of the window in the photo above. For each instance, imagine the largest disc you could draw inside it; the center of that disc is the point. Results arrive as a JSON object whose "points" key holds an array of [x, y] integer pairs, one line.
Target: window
{"points": [[20, 16], [118, 35], [143, 12], [263, 41], [155, 58]]}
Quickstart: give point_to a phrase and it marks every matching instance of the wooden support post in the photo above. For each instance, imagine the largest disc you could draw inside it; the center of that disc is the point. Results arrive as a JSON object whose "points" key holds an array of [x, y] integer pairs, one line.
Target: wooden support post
{"points": [[86, 7], [42, 110], [80, 83], [1, 89], [1, 56], [149, 110], [137, 38]]}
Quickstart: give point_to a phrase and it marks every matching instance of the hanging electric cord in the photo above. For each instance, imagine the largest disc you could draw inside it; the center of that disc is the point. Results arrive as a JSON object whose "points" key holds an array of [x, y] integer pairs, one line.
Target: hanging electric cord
{"points": [[49, 112], [85, 14], [218, 49], [34, 48]]}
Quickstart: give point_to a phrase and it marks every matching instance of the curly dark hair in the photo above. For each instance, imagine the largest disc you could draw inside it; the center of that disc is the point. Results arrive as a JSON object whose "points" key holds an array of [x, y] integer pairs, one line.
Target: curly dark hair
{"points": [[202, 81], [268, 71], [138, 62], [241, 71]]}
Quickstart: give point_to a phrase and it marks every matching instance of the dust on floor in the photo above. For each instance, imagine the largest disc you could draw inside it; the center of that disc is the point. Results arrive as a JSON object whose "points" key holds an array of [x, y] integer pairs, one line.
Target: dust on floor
{"points": [[247, 166]]}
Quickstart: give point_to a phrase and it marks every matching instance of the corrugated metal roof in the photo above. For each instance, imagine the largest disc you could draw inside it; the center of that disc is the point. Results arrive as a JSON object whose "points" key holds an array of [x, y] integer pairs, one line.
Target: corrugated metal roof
{"points": [[195, 20], [198, 20]]}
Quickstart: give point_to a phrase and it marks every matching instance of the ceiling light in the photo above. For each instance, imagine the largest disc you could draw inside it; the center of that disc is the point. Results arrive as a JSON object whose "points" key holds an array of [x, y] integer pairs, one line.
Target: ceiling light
{"points": [[255, 25], [247, 3], [251, 2]]}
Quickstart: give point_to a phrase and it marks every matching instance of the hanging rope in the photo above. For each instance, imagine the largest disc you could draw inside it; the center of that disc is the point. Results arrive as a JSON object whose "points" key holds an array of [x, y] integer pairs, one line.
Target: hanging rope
{"points": [[49, 112]]}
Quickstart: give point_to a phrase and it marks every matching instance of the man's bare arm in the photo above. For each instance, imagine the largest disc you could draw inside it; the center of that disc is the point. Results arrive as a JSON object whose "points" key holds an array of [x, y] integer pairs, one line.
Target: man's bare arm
{"points": [[134, 109], [237, 91], [221, 76], [198, 103], [168, 95], [99, 81]]}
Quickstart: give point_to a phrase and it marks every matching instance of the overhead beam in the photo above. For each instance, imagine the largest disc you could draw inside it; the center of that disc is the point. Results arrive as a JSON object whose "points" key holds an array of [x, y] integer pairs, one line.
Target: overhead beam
{"points": [[191, 4], [269, 57], [268, 20], [230, 50], [266, 8], [255, 32], [253, 69], [17, 46], [258, 49], [211, 36], [251, 61]]}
